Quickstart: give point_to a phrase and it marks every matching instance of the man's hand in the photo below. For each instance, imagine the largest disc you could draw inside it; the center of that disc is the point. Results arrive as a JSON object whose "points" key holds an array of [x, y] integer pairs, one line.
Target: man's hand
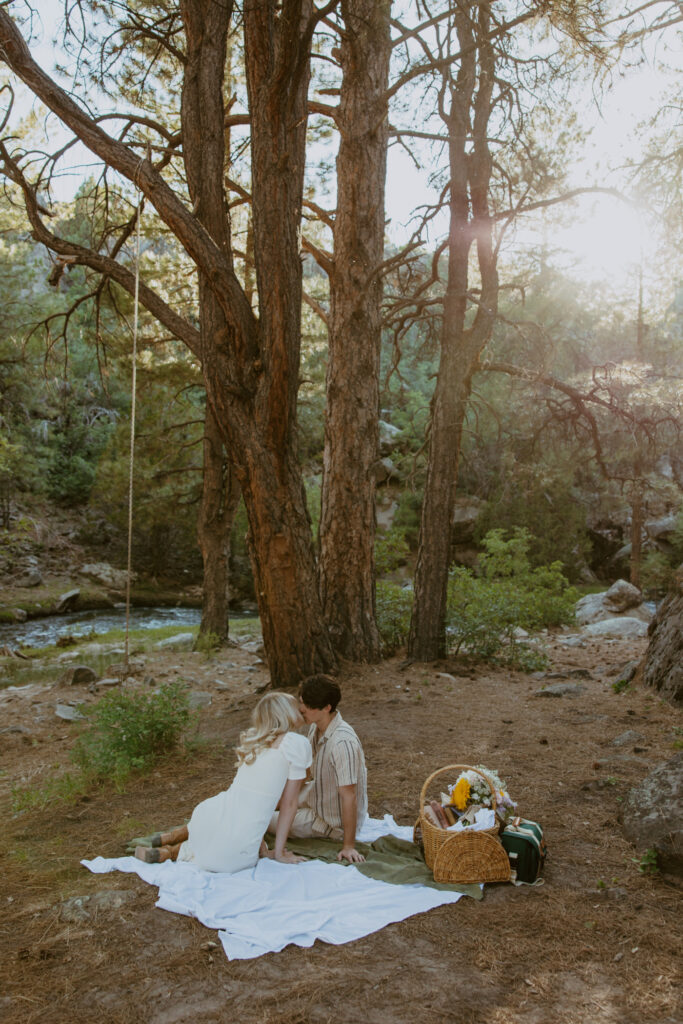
{"points": [[351, 854]]}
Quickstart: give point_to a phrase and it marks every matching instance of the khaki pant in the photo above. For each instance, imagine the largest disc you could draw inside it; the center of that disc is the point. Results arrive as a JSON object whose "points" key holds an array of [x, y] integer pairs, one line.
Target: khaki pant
{"points": [[302, 826]]}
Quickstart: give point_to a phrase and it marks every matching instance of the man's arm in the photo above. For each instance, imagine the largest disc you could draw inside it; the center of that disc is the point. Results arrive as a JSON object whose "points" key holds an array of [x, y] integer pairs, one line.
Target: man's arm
{"points": [[349, 809]]}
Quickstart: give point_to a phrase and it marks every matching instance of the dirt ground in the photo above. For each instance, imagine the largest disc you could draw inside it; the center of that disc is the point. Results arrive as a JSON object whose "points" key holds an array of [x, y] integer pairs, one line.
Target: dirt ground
{"points": [[598, 942]]}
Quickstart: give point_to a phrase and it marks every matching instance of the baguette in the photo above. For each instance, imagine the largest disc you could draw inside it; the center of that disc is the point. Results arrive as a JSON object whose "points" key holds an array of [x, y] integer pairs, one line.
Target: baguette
{"points": [[450, 817], [439, 812]]}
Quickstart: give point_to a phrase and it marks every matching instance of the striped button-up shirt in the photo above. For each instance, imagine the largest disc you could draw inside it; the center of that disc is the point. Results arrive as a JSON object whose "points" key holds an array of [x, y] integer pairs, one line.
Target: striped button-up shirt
{"points": [[337, 761]]}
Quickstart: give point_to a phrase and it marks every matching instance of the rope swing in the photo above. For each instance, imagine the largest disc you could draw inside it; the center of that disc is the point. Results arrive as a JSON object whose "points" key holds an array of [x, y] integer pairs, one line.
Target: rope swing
{"points": [[131, 460]]}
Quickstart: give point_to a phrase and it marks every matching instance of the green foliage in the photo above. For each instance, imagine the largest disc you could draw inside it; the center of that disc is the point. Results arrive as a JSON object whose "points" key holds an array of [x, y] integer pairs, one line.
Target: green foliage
{"points": [[554, 519], [621, 686], [73, 461], [486, 610], [391, 550], [393, 607], [407, 516], [647, 862], [64, 789], [207, 643], [313, 490], [167, 476], [656, 573], [128, 732]]}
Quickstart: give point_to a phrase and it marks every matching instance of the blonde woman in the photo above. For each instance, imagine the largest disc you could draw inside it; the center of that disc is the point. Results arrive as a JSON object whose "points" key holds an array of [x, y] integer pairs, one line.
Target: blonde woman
{"points": [[225, 832]]}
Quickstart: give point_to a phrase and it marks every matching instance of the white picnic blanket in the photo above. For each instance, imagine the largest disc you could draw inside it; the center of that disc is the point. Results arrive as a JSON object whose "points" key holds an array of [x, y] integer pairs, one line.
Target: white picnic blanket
{"points": [[265, 908]]}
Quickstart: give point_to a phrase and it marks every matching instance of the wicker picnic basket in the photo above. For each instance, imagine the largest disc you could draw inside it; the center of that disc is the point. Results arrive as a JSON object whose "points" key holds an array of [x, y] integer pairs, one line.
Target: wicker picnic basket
{"points": [[462, 857]]}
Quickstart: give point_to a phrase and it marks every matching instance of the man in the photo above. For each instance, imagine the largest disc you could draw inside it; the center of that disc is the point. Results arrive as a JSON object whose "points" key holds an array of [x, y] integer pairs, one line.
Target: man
{"points": [[335, 803]]}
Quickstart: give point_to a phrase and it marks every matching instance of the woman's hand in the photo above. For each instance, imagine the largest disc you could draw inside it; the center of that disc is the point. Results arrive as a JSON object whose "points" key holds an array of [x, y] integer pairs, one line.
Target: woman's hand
{"points": [[288, 858]]}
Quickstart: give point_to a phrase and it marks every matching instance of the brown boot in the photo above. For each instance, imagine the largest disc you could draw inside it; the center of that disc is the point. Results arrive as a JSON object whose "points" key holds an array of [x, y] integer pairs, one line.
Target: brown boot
{"points": [[176, 835], [158, 854]]}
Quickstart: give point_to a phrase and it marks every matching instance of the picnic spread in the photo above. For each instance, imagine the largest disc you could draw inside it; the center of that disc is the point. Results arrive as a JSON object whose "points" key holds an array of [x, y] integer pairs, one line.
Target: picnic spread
{"points": [[466, 837]]}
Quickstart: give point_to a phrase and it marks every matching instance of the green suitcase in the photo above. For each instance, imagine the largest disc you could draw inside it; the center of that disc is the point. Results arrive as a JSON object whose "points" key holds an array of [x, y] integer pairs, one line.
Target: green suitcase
{"points": [[525, 847]]}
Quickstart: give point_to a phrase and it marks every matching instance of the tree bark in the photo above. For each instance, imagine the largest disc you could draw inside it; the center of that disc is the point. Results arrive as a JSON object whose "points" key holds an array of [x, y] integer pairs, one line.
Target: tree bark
{"points": [[220, 495], [258, 421], [470, 171], [636, 533], [347, 522]]}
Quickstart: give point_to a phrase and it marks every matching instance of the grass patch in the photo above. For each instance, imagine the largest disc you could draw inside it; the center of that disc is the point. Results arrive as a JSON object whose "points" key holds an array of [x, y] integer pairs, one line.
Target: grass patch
{"points": [[65, 789]]}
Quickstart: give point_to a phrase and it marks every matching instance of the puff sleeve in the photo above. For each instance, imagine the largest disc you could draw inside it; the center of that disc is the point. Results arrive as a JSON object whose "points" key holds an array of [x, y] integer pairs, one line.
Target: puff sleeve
{"points": [[299, 754]]}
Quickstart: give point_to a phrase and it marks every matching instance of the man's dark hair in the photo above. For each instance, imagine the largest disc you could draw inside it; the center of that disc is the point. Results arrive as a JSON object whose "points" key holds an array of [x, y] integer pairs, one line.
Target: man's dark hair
{"points": [[319, 691]]}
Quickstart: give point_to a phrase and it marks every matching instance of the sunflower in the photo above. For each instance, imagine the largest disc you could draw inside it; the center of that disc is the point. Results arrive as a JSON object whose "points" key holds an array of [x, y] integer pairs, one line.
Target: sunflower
{"points": [[461, 794]]}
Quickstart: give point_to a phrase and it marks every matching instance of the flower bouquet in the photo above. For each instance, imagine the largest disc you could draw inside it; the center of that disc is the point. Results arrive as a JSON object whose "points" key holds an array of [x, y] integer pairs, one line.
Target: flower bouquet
{"points": [[470, 792]]}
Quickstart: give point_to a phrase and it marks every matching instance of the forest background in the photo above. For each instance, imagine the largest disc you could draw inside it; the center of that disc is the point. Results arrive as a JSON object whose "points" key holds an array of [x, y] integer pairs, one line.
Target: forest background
{"points": [[442, 377]]}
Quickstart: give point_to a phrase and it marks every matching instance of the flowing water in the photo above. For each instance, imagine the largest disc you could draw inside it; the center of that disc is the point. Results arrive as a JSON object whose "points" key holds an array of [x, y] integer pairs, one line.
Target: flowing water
{"points": [[45, 631]]}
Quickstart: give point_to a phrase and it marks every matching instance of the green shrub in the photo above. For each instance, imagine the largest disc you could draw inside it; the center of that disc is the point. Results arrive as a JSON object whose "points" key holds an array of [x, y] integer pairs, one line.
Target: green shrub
{"points": [[128, 732], [391, 550], [407, 517], [207, 643], [393, 607], [486, 610], [64, 789], [657, 573]]}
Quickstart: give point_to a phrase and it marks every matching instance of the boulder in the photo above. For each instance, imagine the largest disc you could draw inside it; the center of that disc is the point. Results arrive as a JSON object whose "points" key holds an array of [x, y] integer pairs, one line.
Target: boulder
{"points": [[181, 641], [33, 578], [107, 575], [465, 515], [122, 670], [385, 514], [384, 470], [628, 739], [18, 614], [68, 712], [652, 817], [389, 437], [66, 602], [622, 595], [661, 529], [611, 603], [663, 662], [622, 626], [561, 690], [199, 699], [77, 674]]}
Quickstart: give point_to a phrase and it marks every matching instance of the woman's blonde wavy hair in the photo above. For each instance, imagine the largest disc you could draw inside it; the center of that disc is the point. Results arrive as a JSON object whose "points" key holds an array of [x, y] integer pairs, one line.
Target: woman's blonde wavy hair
{"points": [[275, 713]]}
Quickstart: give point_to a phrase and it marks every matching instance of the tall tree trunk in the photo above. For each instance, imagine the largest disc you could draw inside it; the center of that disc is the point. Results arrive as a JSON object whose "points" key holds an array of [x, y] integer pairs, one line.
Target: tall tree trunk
{"points": [[220, 495], [636, 533], [461, 345], [256, 413], [347, 523]]}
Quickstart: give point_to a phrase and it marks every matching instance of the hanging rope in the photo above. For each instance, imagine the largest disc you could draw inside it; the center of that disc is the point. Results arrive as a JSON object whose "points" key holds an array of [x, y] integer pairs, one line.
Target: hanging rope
{"points": [[131, 462]]}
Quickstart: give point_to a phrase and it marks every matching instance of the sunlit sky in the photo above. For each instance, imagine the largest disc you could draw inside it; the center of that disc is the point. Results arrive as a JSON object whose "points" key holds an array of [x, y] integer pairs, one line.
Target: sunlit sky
{"points": [[598, 237]]}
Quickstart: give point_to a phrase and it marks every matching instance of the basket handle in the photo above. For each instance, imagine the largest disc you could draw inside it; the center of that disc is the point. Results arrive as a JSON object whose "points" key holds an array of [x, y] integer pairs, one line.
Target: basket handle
{"points": [[461, 768]]}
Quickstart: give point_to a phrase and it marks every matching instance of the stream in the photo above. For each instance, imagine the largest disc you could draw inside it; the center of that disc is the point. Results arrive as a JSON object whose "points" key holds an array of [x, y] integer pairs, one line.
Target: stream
{"points": [[45, 631]]}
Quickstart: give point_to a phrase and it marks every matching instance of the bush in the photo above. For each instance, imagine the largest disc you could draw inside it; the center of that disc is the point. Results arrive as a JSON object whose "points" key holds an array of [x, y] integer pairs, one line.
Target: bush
{"points": [[393, 607], [657, 574], [129, 732], [486, 610], [391, 551]]}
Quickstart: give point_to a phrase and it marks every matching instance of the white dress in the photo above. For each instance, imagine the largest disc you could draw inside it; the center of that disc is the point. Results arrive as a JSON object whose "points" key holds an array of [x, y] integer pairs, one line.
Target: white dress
{"points": [[225, 831]]}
